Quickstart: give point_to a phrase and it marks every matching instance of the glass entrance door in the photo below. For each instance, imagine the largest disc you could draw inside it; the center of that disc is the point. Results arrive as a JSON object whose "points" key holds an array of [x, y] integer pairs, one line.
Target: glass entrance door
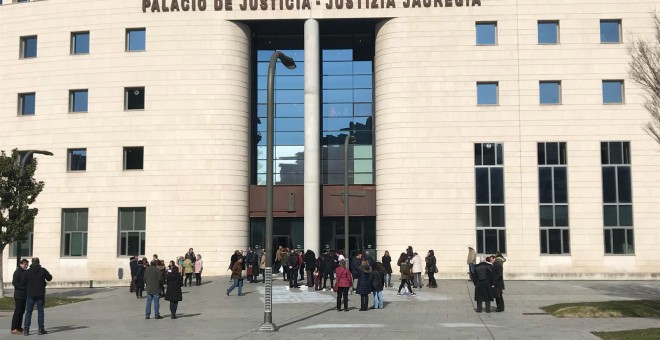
{"points": [[354, 244]]}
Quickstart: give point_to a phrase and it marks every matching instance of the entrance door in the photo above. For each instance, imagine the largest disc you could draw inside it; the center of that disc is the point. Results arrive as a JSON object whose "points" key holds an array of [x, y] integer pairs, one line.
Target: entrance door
{"points": [[280, 240], [354, 244]]}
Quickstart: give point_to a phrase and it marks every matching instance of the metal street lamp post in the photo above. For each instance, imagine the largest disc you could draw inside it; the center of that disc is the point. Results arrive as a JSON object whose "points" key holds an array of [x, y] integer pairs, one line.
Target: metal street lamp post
{"points": [[287, 61], [349, 139], [23, 156]]}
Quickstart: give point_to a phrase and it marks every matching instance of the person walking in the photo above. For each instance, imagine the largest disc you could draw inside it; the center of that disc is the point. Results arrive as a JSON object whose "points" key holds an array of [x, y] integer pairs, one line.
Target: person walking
{"points": [[483, 282], [20, 296], [139, 278], [431, 269], [376, 278], [498, 279], [416, 263], [364, 284], [174, 294], [188, 271], [34, 280], [153, 278], [199, 266], [310, 266], [237, 277], [344, 282], [406, 274], [387, 264]]}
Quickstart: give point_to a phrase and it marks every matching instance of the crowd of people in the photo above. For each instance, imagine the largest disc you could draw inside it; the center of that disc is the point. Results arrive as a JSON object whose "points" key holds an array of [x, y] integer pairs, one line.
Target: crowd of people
{"points": [[164, 281], [29, 290], [488, 279]]}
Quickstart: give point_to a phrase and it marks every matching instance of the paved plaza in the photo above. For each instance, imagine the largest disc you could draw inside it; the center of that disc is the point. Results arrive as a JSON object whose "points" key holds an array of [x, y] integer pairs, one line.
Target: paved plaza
{"points": [[444, 313]]}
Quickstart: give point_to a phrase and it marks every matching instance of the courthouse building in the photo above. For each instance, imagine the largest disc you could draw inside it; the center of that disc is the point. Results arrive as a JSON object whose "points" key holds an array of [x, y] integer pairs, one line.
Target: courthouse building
{"points": [[510, 126]]}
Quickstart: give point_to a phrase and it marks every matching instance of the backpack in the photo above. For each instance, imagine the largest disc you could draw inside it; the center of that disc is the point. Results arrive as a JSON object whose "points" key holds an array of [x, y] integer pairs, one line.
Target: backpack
{"points": [[405, 269]]}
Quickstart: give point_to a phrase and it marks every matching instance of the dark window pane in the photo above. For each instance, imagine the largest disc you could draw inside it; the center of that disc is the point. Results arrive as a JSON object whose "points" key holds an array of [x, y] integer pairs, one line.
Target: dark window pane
{"points": [[76, 244], [78, 160], [624, 185], [135, 98], [502, 235], [545, 185], [561, 194], [567, 243], [604, 153], [483, 216], [496, 185], [122, 244], [140, 218], [489, 154], [554, 237], [562, 153], [610, 215], [133, 158], [619, 241], [608, 241], [626, 152], [540, 149], [499, 154], [625, 216], [631, 241], [67, 244], [616, 156], [477, 154], [544, 241], [498, 218], [491, 241], [546, 215], [609, 185], [482, 185], [133, 243], [561, 215], [552, 153], [480, 242]]}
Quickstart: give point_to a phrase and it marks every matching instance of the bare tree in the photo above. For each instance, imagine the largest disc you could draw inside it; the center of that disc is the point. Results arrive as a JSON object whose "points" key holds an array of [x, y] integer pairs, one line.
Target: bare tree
{"points": [[645, 71]]}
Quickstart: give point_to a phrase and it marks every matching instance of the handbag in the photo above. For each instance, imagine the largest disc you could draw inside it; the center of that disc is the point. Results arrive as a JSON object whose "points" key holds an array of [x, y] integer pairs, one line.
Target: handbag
{"points": [[435, 269], [249, 271], [335, 288]]}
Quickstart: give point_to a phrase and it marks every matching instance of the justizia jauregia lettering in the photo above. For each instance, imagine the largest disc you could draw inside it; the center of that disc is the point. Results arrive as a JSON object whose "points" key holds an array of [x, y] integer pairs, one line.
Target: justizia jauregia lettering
{"points": [[263, 5], [440, 3]]}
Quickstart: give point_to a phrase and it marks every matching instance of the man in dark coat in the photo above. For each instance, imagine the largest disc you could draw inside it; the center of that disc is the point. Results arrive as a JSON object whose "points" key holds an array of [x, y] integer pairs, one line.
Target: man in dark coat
{"points": [[483, 282], [34, 279], [498, 278], [153, 278], [354, 268], [19, 298], [310, 266], [328, 266], [252, 264], [174, 294], [133, 265], [292, 265], [370, 260]]}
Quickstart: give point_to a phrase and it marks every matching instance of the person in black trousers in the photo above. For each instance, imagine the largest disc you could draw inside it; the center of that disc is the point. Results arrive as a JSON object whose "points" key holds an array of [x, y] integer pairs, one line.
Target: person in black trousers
{"points": [[292, 263], [174, 294], [19, 298]]}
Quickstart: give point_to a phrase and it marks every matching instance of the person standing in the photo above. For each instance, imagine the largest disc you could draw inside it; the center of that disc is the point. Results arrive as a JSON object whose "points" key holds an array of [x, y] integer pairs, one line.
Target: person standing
{"points": [[34, 280], [174, 294], [328, 267], [370, 259], [376, 278], [134, 266], [284, 260], [301, 265], [19, 298], [431, 269], [188, 271], [364, 284], [416, 263], [262, 265], [387, 264], [344, 282], [483, 281], [406, 274], [153, 278], [191, 255], [310, 266], [292, 265], [277, 263], [237, 276], [354, 266], [498, 278], [199, 266], [139, 277], [471, 261], [251, 262]]}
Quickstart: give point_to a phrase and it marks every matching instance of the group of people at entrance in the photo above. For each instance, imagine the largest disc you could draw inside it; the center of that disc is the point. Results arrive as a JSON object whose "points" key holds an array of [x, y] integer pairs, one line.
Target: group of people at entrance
{"points": [[488, 279]]}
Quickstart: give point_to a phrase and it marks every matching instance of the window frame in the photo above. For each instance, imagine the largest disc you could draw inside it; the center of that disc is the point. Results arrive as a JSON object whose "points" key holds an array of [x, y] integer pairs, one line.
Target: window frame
{"points": [[126, 149], [498, 163], [564, 230], [127, 91], [619, 29], [24, 46], [625, 162], [69, 159], [30, 245], [142, 233], [72, 100], [83, 233], [477, 35], [559, 92], [128, 39], [497, 92], [622, 91], [75, 44], [21, 103], [538, 32]]}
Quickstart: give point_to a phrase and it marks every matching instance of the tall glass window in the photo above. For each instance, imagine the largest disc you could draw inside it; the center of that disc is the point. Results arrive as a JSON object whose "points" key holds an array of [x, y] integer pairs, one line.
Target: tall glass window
{"points": [[132, 231], [617, 198], [489, 184], [553, 198], [74, 232]]}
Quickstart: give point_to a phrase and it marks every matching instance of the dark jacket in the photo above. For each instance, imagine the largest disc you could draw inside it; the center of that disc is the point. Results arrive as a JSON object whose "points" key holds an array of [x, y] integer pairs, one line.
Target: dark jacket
{"points": [[483, 280], [133, 264], [498, 274], [406, 271], [364, 284], [387, 263], [139, 276], [376, 277], [328, 264], [292, 261], [370, 260], [34, 279], [252, 259], [237, 271], [430, 263], [355, 266], [19, 289], [174, 283], [310, 260], [154, 280]]}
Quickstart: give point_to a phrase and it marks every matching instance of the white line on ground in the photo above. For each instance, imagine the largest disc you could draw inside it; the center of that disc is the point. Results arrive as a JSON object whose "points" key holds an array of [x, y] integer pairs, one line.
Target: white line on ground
{"points": [[342, 325]]}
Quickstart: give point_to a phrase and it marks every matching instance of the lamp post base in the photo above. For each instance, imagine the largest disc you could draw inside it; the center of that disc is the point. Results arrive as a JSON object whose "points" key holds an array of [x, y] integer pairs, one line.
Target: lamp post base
{"points": [[267, 327]]}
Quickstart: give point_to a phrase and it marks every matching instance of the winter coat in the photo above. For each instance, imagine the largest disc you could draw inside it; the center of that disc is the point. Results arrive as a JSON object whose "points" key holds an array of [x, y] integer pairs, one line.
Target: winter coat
{"points": [[233, 260], [355, 266], [370, 260], [133, 264], [376, 279], [193, 257], [292, 262], [139, 277], [328, 263], [416, 264], [387, 263], [310, 260], [364, 284], [34, 280], [174, 283], [199, 265], [154, 280], [187, 266], [344, 277], [483, 280], [406, 271], [237, 271], [498, 274], [284, 257], [472, 256], [430, 264], [19, 289]]}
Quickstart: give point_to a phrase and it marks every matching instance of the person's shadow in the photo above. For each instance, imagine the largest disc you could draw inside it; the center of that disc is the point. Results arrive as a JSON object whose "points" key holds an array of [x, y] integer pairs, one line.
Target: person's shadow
{"points": [[58, 329]]}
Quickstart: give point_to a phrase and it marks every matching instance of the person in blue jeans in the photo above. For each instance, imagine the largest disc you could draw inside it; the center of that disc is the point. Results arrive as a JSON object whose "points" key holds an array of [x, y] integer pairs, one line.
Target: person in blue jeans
{"points": [[34, 280], [377, 280], [237, 277], [153, 279]]}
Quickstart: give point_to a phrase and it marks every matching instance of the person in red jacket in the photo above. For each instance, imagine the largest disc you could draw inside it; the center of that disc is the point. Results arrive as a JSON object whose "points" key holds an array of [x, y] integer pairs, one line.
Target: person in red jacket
{"points": [[344, 281]]}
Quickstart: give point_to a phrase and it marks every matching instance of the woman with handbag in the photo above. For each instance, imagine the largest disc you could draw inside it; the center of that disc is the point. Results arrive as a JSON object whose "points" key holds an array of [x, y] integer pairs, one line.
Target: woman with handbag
{"points": [[342, 285], [431, 269]]}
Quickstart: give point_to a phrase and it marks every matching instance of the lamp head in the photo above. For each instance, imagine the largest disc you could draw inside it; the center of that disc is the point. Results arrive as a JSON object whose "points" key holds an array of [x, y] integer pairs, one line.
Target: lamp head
{"points": [[287, 61]]}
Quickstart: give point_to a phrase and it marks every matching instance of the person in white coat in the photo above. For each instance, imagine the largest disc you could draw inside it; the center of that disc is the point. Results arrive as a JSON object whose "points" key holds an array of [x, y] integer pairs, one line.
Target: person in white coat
{"points": [[417, 266]]}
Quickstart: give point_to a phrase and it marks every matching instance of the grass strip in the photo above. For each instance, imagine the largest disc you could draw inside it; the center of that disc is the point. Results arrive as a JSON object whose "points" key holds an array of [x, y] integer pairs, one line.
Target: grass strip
{"points": [[635, 334], [606, 309], [7, 303]]}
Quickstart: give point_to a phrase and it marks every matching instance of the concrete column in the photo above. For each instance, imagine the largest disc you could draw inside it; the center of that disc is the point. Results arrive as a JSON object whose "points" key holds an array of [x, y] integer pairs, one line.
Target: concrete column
{"points": [[312, 136]]}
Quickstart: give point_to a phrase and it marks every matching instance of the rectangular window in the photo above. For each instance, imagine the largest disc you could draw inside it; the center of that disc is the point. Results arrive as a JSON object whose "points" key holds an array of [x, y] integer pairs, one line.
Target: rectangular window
{"points": [[77, 159], [26, 246], [486, 33], [132, 231], [74, 232], [78, 100], [28, 47], [610, 31], [80, 42], [487, 93], [548, 32], [613, 92], [553, 198], [489, 185], [134, 158], [550, 92], [136, 39], [617, 198], [134, 98], [26, 104]]}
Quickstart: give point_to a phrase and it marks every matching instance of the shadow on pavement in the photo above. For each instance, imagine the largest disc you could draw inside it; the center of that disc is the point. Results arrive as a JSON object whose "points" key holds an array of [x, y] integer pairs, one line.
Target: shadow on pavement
{"points": [[58, 329], [80, 292], [179, 316], [305, 318], [635, 290]]}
